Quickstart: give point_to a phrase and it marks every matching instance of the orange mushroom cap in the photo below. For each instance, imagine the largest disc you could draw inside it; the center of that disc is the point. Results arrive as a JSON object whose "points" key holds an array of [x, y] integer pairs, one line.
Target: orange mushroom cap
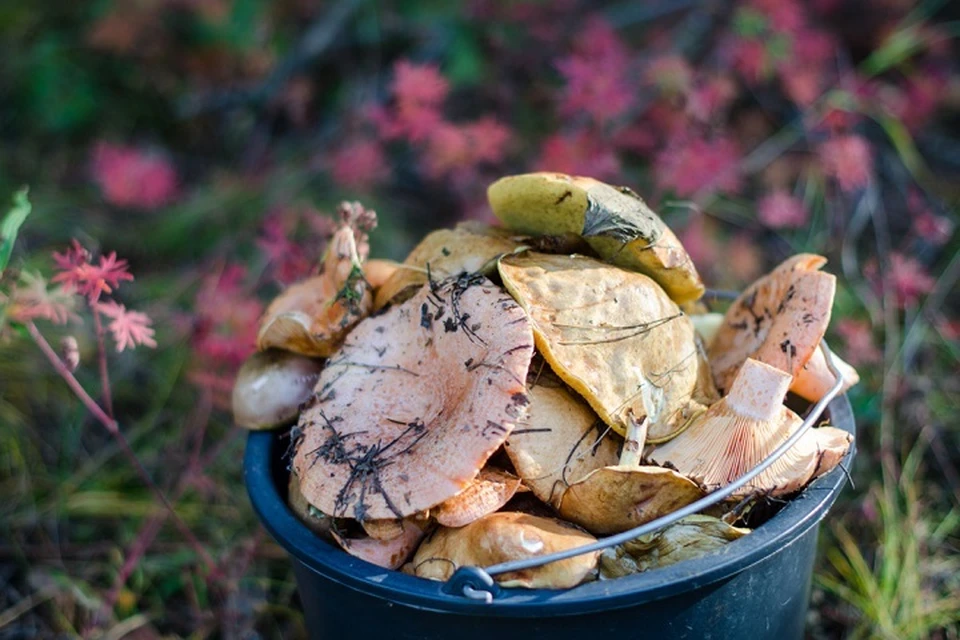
{"points": [[415, 402], [779, 319]]}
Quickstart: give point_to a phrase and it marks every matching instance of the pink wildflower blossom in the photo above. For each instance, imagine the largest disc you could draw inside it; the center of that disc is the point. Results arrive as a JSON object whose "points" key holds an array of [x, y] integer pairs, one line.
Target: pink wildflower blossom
{"points": [[31, 299], [421, 84], [86, 278], [700, 242], [780, 209], [597, 76], [359, 164], [860, 346], [129, 328], [693, 166], [749, 57], [906, 278], [131, 177], [581, 153], [848, 160]]}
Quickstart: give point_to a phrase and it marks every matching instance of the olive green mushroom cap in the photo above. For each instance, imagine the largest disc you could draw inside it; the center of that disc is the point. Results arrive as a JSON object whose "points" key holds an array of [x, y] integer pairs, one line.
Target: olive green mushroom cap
{"points": [[615, 221]]}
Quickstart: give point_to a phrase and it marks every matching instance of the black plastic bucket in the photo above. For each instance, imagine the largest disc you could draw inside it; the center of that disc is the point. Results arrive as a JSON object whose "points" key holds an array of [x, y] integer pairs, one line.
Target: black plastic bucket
{"points": [[755, 587]]}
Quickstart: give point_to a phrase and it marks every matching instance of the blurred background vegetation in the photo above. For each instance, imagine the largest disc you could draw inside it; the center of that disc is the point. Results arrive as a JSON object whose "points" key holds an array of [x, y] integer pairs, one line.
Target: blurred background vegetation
{"points": [[207, 142]]}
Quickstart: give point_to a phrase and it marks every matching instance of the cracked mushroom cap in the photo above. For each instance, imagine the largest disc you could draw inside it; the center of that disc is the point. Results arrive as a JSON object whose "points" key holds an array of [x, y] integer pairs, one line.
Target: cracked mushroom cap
{"points": [[621, 497], [312, 317], [415, 401], [271, 386], [689, 538], [468, 248], [779, 319], [742, 429], [561, 441], [615, 337], [502, 537], [487, 493], [615, 221]]}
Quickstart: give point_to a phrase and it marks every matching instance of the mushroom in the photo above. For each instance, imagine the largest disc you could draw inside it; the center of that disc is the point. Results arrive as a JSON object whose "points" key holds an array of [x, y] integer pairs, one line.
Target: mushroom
{"points": [[615, 221], [621, 497], [271, 386], [815, 379], [742, 429], [561, 441], [415, 401], [377, 272], [502, 537], [389, 553], [383, 529], [317, 521], [779, 319], [689, 538], [707, 325], [489, 491], [312, 317], [468, 248], [615, 337]]}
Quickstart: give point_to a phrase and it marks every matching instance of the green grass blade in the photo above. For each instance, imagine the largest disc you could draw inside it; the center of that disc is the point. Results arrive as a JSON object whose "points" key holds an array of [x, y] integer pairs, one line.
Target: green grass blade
{"points": [[10, 226]]}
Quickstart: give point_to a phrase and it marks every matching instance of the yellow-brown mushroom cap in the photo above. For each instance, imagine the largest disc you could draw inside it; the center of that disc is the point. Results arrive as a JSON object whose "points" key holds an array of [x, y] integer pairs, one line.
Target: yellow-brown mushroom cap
{"points": [[615, 337], [617, 498], [561, 441], [467, 248], [502, 537], [415, 401], [487, 493]]}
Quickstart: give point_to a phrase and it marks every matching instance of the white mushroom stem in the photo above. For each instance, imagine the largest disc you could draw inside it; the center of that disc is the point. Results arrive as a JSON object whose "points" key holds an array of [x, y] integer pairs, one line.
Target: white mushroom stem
{"points": [[634, 441], [759, 391]]}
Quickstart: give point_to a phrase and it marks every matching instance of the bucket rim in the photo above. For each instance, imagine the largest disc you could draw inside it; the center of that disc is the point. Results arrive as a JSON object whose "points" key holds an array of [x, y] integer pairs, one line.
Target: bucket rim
{"points": [[797, 517]]}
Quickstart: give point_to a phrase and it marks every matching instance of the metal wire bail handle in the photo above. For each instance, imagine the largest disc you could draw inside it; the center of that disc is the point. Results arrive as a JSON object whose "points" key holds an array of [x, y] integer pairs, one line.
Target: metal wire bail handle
{"points": [[478, 584]]}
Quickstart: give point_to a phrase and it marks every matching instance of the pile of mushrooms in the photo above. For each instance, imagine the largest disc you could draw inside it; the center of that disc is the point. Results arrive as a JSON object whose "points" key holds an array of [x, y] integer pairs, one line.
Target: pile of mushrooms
{"points": [[508, 392]]}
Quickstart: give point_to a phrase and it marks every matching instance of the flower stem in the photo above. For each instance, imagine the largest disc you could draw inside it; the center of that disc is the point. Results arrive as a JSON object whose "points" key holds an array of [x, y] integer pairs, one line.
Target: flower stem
{"points": [[102, 354], [111, 425]]}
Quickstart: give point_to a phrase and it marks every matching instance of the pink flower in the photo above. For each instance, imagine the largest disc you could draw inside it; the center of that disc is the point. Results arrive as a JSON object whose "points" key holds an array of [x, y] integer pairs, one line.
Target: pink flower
{"points": [[743, 258], [749, 57], [420, 84], [359, 164], [227, 320], [937, 230], [489, 139], [30, 300], [86, 278], [131, 177], [780, 209], [785, 16], [597, 75], [848, 160], [448, 149], [581, 153], [693, 166], [710, 97], [129, 328], [700, 242], [858, 336], [906, 277]]}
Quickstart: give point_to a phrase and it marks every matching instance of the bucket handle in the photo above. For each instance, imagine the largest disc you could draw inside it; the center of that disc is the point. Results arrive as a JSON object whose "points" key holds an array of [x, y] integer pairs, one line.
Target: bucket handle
{"points": [[477, 583]]}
